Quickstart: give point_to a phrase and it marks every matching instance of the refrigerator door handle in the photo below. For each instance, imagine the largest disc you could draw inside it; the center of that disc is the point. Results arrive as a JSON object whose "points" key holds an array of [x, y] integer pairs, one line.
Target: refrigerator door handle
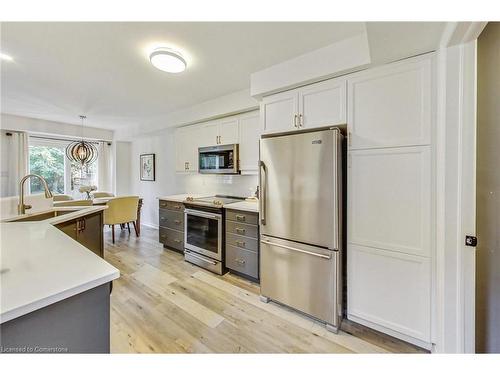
{"points": [[263, 198], [295, 249], [336, 182]]}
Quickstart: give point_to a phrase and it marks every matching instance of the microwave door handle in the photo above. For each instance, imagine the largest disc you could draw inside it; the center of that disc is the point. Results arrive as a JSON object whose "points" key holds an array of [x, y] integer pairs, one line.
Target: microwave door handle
{"points": [[263, 198]]}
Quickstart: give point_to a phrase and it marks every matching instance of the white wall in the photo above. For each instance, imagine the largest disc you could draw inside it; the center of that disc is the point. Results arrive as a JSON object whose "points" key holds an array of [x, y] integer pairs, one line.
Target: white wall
{"points": [[33, 125], [168, 182], [123, 168]]}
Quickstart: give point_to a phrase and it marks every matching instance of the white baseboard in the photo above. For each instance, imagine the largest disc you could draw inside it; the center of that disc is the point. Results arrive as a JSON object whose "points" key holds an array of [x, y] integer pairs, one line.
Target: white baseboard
{"points": [[149, 225]]}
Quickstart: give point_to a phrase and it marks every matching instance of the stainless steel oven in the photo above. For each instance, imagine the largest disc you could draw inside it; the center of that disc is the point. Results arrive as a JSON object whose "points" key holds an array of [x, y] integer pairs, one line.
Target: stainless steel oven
{"points": [[203, 238], [222, 159]]}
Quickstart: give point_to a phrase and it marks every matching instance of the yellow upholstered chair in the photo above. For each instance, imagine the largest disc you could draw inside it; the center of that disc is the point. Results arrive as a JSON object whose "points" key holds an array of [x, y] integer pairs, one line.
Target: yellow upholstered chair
{"points": [[80, 202], [121, 210], [62, 198], [102, 194]]}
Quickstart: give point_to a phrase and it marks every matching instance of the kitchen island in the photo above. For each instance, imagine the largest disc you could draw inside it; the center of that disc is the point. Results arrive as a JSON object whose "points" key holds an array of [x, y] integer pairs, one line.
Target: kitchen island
{"points": [[54, 292]]}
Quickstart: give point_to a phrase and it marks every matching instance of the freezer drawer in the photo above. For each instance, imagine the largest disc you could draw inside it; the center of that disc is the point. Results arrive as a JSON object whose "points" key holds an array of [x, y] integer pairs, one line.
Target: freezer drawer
{"points": [[301, 276]]}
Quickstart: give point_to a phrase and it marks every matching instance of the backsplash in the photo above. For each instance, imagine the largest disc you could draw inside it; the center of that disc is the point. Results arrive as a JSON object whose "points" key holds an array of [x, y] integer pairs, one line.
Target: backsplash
{"points": [[234, 185]]}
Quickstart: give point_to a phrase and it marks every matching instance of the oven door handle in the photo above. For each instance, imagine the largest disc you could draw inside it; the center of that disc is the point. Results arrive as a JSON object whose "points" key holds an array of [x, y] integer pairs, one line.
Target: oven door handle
{"points": [[191, 254], [207, 215]]}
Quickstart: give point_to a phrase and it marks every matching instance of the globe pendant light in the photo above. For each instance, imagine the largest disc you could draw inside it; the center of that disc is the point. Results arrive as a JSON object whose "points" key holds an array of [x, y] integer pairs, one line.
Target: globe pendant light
{"points": [[82, 152]]}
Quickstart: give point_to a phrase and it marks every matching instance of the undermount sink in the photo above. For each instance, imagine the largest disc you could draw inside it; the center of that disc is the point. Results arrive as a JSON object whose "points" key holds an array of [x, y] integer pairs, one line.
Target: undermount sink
{"points": [[42, 216]]}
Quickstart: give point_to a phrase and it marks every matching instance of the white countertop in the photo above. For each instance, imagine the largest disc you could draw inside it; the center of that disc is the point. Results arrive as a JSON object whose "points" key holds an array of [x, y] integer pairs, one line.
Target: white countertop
{"points": [[244, 206], [40, 265], [182, 197]]}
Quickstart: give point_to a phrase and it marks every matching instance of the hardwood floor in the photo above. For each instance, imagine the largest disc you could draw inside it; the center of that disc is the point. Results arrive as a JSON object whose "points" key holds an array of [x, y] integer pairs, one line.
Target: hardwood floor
{"points": [[161, 304]]}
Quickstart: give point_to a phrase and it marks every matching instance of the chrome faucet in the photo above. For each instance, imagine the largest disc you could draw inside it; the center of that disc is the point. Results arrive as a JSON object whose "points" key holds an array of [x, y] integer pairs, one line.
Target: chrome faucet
{"points": [[21, 207]]}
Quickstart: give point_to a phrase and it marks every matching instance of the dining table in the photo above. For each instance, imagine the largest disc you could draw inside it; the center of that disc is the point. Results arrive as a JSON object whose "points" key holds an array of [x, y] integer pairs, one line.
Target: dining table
{"points": [[104, 200]]}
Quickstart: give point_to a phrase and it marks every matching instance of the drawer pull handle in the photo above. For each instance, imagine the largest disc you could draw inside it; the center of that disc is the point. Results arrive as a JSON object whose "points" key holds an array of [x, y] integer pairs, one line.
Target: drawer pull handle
{"points": [[178, 241], [240, 243], [177, 221], [240, 217], [163, 236], [240, 261], [162, 218], [240, 230], [177, 207]]}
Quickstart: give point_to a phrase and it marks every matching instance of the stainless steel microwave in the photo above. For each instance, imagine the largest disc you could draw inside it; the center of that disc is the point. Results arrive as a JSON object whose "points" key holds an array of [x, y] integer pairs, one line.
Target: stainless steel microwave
{"points": [[223, 159]]}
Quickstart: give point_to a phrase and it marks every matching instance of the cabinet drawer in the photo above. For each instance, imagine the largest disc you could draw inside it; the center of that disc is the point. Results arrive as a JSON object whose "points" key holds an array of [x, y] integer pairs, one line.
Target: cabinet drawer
{"points": [[241, 229], [242, 217], [246, 243], [243, 261], [172, 238], [170, 205], [171, 219]]}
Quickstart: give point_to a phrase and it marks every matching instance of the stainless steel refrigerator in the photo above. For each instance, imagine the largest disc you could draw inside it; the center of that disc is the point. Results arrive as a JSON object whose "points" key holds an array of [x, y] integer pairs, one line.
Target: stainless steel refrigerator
{"points": [[301, 222]]}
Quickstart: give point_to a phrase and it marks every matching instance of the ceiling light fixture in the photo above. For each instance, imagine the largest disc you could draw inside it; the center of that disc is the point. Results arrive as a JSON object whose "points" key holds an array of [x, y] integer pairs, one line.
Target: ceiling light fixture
{"points": [[3, 56], [82, 152], [167, 60]]}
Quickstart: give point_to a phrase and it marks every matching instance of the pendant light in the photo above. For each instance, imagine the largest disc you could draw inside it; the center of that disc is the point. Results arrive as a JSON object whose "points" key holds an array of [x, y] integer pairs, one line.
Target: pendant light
{"points": [[82, 152]]}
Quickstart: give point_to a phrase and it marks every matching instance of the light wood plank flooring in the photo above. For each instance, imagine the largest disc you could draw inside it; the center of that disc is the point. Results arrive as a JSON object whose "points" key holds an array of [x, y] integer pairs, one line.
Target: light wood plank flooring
{"points": [[161, 304]]}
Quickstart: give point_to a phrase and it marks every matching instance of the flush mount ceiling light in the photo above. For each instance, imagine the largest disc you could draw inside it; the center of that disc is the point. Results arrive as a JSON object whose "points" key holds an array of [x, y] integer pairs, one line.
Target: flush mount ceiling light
{"points": [[167, 60], [3, 56]]}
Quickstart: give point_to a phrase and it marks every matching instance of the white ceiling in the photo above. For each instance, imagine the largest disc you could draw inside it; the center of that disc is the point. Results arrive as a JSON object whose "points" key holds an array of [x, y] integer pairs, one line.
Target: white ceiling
{"points": [[61, 70]]}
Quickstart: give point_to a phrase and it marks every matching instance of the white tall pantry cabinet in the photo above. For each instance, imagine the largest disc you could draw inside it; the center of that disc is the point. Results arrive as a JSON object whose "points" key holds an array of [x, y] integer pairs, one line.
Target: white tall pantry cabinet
{"points": [[390, 211], [390, 189]]}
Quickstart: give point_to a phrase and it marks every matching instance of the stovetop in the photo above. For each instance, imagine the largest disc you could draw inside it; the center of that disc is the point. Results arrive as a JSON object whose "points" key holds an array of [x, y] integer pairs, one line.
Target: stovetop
{"points": [[213, 201]]}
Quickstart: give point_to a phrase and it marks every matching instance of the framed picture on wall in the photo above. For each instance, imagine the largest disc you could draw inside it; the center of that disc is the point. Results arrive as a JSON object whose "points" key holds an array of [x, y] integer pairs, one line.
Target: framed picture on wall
{"points": [[147, 167]]}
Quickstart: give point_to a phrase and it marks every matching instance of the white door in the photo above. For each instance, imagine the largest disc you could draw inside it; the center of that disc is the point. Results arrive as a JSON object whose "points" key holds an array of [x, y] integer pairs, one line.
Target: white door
{"points": [[249, 142], [389, 249], [391, 106], [180, 150], [191, 147], [279, 112], [228, 131], [323, 104], [207, 134]]}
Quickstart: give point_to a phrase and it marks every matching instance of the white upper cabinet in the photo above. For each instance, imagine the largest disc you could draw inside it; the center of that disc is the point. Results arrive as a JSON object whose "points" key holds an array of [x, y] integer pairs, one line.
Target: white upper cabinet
{"points": [[391, 106], [242, 129], [316, 105], [208, 134], [186, 149], [249, 142], [323, 104], [228, 131], [218, 132], [279, 112]]}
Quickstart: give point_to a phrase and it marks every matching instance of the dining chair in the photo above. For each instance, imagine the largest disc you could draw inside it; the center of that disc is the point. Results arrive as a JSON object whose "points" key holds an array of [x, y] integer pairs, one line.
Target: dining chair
{"points": [[62, 198], [79, 202], [121, 210], [102, 194]]}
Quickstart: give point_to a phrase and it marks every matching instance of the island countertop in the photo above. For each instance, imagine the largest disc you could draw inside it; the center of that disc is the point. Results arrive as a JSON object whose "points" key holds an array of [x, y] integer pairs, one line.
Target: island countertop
{"points": [[40, 265]]}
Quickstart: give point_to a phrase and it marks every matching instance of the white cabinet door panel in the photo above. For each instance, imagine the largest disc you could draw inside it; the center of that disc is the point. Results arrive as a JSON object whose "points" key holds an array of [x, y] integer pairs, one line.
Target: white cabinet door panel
{"points": [[278, 112], [390, 199], [207, 134], [249, 142], [228, 131], [390, 289], [180, 146], [391, 106], [323, 103]]}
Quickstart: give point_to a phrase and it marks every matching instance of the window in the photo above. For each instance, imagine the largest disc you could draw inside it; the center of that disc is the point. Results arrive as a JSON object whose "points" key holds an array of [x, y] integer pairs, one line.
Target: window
{"points": [[48, 159]]}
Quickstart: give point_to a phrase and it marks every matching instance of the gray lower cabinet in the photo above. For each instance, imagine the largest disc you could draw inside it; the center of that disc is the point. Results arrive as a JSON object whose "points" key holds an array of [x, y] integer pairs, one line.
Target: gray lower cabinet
{"points": [[171, 225], [242, 244], [78, 324], [87, 230]]}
